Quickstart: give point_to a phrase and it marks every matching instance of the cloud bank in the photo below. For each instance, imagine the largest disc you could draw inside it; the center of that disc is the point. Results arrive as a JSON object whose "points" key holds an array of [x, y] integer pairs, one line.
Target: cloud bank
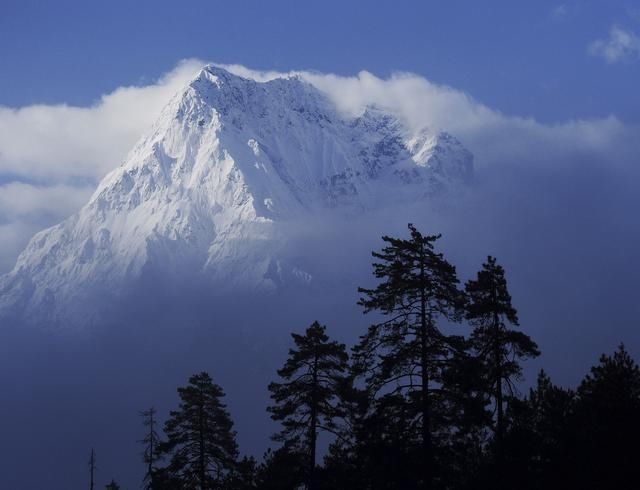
{"points": [[51, 157]]}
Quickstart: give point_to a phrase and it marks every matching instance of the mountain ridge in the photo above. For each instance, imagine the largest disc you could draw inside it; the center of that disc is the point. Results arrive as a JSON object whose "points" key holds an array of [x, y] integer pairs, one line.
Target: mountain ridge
{"points": [[210, 190]]}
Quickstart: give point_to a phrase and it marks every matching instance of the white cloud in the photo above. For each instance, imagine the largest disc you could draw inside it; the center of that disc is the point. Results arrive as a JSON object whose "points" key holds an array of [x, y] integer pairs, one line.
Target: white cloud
{"points": [[52, 148], [25, 209], [621, 45], [51, 156], [20, 200], [63, 143]]}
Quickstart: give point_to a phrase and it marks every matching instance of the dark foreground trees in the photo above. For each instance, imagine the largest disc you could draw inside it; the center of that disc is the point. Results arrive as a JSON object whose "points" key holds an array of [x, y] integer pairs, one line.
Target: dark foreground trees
{"points": [[607, 424], [306, 401], [200, 440], [536, 440], [499, 348], [402, 358], [587, 439], [554, 438], [417, 406]]}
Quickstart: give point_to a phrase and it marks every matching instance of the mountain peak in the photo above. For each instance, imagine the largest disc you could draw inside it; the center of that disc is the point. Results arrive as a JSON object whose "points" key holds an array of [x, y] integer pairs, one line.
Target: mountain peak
{"points": [[227, 167]]}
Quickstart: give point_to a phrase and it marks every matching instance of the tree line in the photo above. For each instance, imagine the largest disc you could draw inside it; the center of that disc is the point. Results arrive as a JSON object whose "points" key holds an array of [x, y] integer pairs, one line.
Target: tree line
{"points": [[411, 405]]}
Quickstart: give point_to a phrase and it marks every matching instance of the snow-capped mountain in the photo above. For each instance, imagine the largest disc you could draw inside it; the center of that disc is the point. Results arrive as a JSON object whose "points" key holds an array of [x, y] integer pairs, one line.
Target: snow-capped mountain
{"points": [[209, 191]]}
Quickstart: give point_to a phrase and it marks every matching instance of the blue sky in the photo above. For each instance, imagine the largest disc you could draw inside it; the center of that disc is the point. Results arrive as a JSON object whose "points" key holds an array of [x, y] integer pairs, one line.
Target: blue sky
{"points": [[522, 58]]}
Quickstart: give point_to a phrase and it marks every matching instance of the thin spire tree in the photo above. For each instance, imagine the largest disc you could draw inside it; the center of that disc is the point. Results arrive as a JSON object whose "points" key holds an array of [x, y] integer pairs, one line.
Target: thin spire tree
{"points": [[92, 469], [150, 442]]}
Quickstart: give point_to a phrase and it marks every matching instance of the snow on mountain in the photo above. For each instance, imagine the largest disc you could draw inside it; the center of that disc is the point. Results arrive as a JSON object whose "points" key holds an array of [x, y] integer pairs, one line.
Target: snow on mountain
{"points": [[208, 192]]}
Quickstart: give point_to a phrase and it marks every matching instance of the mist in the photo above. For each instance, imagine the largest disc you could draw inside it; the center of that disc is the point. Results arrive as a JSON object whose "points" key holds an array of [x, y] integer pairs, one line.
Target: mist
{"points": [[565, 235]]}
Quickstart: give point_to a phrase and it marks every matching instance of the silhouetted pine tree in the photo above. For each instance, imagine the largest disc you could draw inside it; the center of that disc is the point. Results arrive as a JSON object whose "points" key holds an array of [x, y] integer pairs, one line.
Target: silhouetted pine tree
{"points": [[306, 402], [490, 311], [150, 442], [607, 425], [200, 438], [406, 354]]}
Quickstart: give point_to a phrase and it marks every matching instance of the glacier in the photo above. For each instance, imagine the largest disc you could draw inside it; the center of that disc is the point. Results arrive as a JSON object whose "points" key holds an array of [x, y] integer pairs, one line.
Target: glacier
{"points": [[212, 193]]}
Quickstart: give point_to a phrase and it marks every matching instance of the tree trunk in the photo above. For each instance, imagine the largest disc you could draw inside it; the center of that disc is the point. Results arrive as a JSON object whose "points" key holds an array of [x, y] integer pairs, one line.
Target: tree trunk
{"points": [[92, 468], [499, 408], [151, 441], [499, 420], [202, 470], [499, 426], [426, 418], [498, 393], [313, 431]]}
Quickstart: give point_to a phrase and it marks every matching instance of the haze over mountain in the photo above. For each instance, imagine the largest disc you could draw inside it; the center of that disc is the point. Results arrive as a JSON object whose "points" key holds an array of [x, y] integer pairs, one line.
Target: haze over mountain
{"points": [[213, 192], [247, 210]]}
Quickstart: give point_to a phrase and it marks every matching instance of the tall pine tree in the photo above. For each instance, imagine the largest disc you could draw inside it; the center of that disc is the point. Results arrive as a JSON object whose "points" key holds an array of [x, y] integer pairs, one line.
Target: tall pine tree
{"points": [[306, 402], [200, 438], [406, 353], [501, 348]]}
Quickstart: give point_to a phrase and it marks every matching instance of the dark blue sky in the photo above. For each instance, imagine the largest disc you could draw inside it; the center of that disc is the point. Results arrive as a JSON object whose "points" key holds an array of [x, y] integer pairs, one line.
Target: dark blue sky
{"points": [[522, 58]]}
